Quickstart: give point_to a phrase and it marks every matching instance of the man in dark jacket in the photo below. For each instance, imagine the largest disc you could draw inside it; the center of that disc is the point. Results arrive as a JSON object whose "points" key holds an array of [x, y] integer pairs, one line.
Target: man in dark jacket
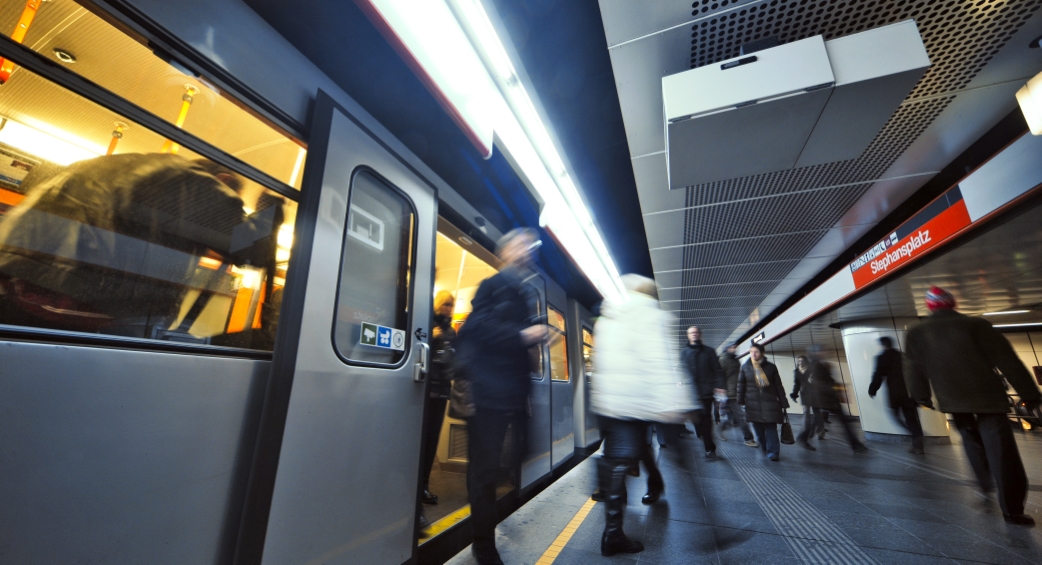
{"points": [[820, 393], [733, 413], [708, 378], [888, 369], [958, 355], [494, 348]]}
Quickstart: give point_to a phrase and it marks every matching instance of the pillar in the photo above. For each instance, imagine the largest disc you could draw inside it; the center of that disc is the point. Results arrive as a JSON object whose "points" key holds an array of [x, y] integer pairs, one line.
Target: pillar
{"points": [[861, 342]]}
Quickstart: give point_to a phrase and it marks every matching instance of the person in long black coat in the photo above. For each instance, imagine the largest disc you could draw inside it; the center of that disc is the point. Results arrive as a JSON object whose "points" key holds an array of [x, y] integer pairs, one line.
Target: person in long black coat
{"points": [[824, 397], [761, 392], [889, 369]]}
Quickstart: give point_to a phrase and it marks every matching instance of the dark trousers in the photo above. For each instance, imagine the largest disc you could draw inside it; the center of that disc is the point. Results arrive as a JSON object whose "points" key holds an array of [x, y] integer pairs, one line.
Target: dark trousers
{"points": [[487, 430], [813, 423], [734, 417], [994, 456], [704, 427], [768, 436], [907, 417], [625, 440], [432, 428]]}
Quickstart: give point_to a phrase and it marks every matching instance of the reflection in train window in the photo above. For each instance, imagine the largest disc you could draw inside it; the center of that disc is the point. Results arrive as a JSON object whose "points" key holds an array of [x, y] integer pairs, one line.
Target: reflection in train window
{"points": [[128, 240], [80, 41], [558, 346], [372, 309]]}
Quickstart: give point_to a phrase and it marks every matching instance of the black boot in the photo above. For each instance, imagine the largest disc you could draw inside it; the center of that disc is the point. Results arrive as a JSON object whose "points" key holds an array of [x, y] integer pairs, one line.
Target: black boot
{"points": [[613, 476]]}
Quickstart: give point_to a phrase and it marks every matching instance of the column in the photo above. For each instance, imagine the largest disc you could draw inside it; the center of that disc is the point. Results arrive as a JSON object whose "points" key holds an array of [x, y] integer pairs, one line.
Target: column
{"points": [[861, 342]]}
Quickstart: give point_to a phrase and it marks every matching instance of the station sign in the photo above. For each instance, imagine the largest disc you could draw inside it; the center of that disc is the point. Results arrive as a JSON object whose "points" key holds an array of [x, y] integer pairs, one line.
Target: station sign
{"points": [[382, 336], [942, 219]]}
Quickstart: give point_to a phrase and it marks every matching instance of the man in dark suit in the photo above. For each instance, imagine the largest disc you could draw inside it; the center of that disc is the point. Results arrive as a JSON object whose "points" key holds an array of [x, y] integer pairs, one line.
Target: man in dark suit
{"points": [[889, 369], [493, 346]]}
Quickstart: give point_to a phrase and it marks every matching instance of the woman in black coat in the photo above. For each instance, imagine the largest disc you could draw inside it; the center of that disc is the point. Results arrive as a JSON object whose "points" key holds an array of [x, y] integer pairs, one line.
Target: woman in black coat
{"points": [[761, 392]]}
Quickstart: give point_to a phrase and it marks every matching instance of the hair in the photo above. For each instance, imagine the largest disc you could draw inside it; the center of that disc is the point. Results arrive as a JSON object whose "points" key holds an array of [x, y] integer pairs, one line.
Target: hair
{"points": [[803, 358], [234, 181], [442, 297], [758, 346], [689, 328], [641, 285], [513, 234], [886, 341]]}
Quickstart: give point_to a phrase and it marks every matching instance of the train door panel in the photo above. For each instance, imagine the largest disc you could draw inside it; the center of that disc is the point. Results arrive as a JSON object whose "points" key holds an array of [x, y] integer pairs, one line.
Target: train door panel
{"points": [[536, 462], [581, 350], [561, 399], [345, 488]]}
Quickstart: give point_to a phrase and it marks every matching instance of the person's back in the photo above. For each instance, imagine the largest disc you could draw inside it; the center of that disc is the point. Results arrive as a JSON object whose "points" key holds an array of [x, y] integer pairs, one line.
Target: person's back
{"points": [[634, 373], [957, 354], [731, 366]]}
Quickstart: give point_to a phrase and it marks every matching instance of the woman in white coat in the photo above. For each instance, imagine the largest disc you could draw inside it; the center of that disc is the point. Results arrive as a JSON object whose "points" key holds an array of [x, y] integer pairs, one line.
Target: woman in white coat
{"points": [[635, 381]]}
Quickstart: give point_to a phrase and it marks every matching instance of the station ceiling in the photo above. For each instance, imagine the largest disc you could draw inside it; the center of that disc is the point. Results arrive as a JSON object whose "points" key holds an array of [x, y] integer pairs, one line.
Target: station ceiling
{"points": [[728, 253]]}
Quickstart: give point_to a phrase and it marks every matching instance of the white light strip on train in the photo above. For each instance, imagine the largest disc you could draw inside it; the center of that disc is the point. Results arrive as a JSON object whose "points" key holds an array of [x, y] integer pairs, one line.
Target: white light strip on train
{"points": [[525, 137]]}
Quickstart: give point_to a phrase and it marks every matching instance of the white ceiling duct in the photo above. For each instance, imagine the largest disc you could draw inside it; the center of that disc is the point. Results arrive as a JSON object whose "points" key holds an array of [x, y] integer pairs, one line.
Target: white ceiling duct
{"points": [[805, 103]]}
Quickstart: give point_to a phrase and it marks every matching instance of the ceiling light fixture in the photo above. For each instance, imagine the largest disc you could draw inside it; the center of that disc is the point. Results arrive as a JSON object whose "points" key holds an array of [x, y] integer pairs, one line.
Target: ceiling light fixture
{"points": [[1004, 312], [1016, 325], [492, 98], [56, 146], [64, 56], [1030, 99]]}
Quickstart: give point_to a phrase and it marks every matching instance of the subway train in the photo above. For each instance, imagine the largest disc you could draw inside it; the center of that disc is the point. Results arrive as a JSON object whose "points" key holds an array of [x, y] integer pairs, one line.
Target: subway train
{"points": [[216, 299]]}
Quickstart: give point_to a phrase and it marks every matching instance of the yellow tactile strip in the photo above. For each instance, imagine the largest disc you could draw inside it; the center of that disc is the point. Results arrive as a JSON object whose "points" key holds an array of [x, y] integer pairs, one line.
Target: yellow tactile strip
{"points": [[555, 548], [444, 524]]}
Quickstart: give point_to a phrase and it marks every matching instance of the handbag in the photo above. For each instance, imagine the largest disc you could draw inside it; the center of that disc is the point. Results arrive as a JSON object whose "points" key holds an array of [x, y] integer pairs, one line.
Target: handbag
{"points": [[786, 432]]}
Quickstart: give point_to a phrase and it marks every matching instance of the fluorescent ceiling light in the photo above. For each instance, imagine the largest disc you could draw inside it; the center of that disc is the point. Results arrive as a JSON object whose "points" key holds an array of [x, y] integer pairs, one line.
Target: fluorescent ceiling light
{"points": [[1030, 99], [427, 35], [1016, 325], [1004, 312], [55, 145], [453, 44]]}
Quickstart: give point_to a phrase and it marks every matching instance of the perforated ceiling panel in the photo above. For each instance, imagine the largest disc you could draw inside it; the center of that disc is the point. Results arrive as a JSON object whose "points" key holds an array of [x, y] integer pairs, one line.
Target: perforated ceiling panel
{"points": [[743, 236]]}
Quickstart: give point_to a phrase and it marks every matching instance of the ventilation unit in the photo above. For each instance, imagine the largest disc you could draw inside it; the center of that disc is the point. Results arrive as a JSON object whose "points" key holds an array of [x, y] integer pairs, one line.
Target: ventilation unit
{"points": [[805, 103]]}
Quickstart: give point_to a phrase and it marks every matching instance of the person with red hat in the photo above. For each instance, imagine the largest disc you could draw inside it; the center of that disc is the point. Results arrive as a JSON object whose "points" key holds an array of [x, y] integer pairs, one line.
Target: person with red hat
{"points": [[958, 355]]}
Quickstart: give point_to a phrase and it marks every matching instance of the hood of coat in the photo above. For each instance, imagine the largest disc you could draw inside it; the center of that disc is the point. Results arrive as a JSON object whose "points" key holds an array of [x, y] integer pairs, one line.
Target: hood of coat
{"points": [[634, 304]]}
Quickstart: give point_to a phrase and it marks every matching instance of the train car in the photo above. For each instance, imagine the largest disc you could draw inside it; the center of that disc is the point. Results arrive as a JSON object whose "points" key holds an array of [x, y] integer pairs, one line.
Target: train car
{"points": [[216, 300]]}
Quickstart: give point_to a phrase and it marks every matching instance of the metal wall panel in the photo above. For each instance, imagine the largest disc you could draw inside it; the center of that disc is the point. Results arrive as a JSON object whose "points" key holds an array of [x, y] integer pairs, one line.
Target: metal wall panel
{"points": [[117, 456]]}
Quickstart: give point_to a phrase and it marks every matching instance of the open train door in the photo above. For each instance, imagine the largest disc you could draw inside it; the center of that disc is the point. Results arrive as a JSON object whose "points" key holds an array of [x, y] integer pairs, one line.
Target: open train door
{"points": [[349, 362]]}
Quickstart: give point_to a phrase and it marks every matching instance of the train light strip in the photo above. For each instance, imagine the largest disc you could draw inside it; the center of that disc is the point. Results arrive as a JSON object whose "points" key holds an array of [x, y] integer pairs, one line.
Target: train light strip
{"points": [[519, 131]]}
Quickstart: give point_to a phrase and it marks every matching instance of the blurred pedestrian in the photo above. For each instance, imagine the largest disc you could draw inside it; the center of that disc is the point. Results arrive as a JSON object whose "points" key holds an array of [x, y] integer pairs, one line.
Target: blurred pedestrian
{"points": [[734, 416], [958, 356], [634, 382], [493, 347], [813, 417], [904, 410], [824, 396], [761, 392], [443, 368], [708, 377]]}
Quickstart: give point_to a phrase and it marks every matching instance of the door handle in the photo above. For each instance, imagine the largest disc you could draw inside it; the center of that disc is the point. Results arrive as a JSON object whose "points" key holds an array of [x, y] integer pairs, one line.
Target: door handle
{"points": [[422, 366]]}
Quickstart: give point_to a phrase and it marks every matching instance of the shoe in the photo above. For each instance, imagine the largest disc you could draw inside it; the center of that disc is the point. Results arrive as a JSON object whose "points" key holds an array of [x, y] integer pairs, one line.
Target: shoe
{"points": [[860, 448], [486, 554], [423, 522], [428, 498], [751, 443], [710, 455], [773, 457], [1019, 519], [655, 490], [806, 445], [598, 495], [917, 450], [822, 434]]}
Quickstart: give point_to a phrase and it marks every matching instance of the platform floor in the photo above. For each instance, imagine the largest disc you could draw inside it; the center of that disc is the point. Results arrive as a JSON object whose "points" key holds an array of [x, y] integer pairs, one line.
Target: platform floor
{"points": [[828, 506]]}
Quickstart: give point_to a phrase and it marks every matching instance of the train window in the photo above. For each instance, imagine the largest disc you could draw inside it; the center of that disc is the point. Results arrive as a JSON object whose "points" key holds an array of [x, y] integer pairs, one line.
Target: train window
{"points": [[587, 353], [84, 43], [458, 270], [372, 308], [158, 246], [558, 345]]}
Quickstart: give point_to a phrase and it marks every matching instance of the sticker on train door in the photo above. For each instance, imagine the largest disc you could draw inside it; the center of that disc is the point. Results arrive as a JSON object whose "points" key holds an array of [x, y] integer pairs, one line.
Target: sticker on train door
{"points": [[382, 337]]}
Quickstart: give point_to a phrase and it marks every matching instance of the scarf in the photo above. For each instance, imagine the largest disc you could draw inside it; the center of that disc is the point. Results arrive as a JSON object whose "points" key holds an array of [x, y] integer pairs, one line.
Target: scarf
{"points": [[761, 377]]}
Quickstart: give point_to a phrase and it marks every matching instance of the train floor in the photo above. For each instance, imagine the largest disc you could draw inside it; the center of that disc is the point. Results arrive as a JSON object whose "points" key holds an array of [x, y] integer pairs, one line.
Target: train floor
{"points": [[826, 506]]}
